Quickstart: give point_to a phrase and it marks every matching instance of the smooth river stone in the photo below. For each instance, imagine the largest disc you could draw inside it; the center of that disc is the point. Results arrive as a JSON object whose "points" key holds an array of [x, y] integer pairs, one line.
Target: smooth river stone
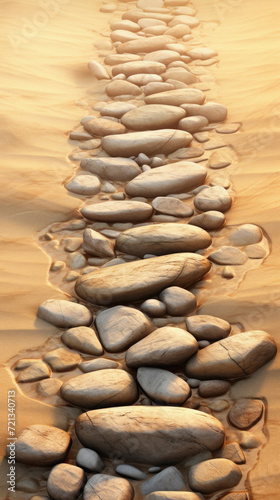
{"points": [[156, 87], [87, 185], [141, 279], [123, 36], [179, 74], [134, 15], [150, 142], [246, 234], [98, 70], [89, 460], [119, 327], [178, 301], [113, 59], [149, 434], [83, 339], [245, 413], [161, 239], [208, 220], [143, 79], [136, 67], [116, 109], [214, 475], [121, 87], [152, 116], [206, 327], [234, 357], [213, 111], [66, 482], [163, 386], [145, 45], [125, 25], [118, 211], [103, 127], [96, 244], [213, 198], [105, 487], [193, 124], [100, 389], [228, 256], [174, 178], [41, 445], [190, 21], [171, 206], [168, 479], [166, 346], [202, 53], [177, 97], [163, 56], [113, 169], [64, 313]]}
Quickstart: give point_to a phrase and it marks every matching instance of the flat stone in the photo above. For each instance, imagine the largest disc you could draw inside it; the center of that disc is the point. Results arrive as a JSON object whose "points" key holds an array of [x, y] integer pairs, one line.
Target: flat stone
{"points": [[161, 239], [98, 70], [229, 256], [35, 372], [153, 116], [156, 87], [162, 56], [116, 109], [28, 485], [220, 159], [72, 225], [62, 359], [97, 364], [123, 36], [103, 126], [206, 327], [83, 339], [143, 79], [163, 386], [120, 327], [166, 346], [209, 220], [125, 25], [213, 388], [246, 234], [168, 479], [228, 128], [49, 387], [145, 45], [174, 178], [178, 31], [89, 460], [213, 111], [96, 244], [255, 252], [66, 481], [135, 15], [177, 97], [130, 472], [113, 59], [234, 357], [105, 487], [100, 389], [154, 308], [136, 67], [171, 206], [108, 7], [173, 495], [147, 430], [202, 53], [233, 452], [117, 88], [191, 21], [179, 74], [41, 445], [64, 313], [76, 260], [72, 244], [178, 301], [118, 211], [214, 475], [113, 169], [192, 124], [213, 198], [149, 142], [245, 413], [155, 30]]}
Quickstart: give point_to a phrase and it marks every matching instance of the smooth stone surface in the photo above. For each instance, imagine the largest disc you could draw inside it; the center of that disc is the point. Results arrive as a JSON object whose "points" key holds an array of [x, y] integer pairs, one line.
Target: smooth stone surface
{"points": [[163, 386], [164, 347], [98, 245], [214, 475], [206, 327], [154, 308], [255, 252], [117, 88], [104, 126], [213, 111], [163, 56], [105, 487], [178, 301], [219, 159], [152, 116], [228, 128], [234, 357], [193, 124], [89, 460], [245, 413], [213, 198], [64, 313], [66, 482], [174, 178], [113, 169], [168, 479], [161, 239], [119, 327], [98, 70], [41, 445], [228, 256], [143, 79], [140, 433], [177, 97], [191, 21], [82, 339], [118, 211], [62, 359], [209, 220], [125, 25], [116, 109], [149, 142], [179, 30], [246, 234], [123, 36], [100, 389], [84, 184], [113, 59], [171, 206], [156, 87], [97, 364], [202, 53], [136, 67], [145, 44], [233, 452], [213, 388], [130, 472], [35, 372], [49, 387]]}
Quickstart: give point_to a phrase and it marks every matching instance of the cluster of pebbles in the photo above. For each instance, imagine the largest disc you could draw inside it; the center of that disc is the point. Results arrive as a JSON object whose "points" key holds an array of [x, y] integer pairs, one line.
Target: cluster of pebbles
{"points": [[145, 377]]}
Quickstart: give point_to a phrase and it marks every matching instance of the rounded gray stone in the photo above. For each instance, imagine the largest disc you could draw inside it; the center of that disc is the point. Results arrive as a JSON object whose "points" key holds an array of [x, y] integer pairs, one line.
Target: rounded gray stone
{"points": [[209, 220], [83, 339], [154, 308], [64, 313], [178, 301], [171, 206], [228, 256], [206, 327], [163, 386], [152, 117], [87, 185], [97, 364], [89, 460], [213, 198], [130, 472], [214, 475], [213, 388], [113, 169], [169, 478]]}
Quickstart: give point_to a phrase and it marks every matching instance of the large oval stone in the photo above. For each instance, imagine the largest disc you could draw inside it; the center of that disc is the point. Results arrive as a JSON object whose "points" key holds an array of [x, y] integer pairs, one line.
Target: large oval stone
{"points": [[136, 67], [145, 45], [234, 357], [177, 97], [147, 434], [152, 116], [100, 389], [150, 142], [140, 280], [118, 211], [64, 313], [163, 386], [175, 178], [113, 169], [214, 475], [105, 487]]}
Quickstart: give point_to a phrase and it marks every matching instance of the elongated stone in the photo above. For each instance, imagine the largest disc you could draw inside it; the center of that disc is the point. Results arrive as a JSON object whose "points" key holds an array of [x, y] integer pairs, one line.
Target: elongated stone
{"points": [[113, 169], [177, 97], [153, 116], [121, 87], [134, 16], [118, 211], [63, 313], [214, 475], [140, 280], [83, 339], [179, 74], [98, 70], [136, 67], [163, 386], [123, 36], [163, 56], [145, 45], [103, 127]]}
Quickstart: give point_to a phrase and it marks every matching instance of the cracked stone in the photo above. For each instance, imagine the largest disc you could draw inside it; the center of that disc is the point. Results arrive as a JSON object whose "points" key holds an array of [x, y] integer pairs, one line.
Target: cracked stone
{"points": [[214, 475], [66, 481], [105, 487]]}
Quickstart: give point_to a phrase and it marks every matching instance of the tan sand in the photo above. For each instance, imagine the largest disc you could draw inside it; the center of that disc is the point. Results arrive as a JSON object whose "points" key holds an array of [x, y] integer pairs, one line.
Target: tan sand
{"points": [[42, 80]]}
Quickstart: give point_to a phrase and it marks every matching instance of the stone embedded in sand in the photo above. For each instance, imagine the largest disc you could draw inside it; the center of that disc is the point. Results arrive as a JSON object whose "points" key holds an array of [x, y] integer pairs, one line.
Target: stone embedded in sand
{"points": [[209, 220], [171, 206], [41, 445], [76, 260], [213, 198], [113, 59], [147, 22], [178, 31], [193, 124], [246, 234], [234, 357], [152, 116], [105, 487], [177, 97], [118, 211], [100, 389], [62, 359], [123, 36], [120, 327], [143, 79], [191, 21], [174, 178], [145, 45], [156, 87], [153, 308], [103, 127], [213, 388], [163, 56], [164, 347], [150, 434], [229, 256], [83, 339], [139, 67], [49, 387], [233, 452], [161, 239], [84, 184], [213, 111], [121, 87], [71, 225], [113, 169], [64, 313], [174, 495], [255, 252], [35, 372], [228, 128], [214, 475], [135, 15], [96, 244], [163, 386], [206, 327], [66, 481], [89, 460], [125, 25], [93, 365], [168, 479], [116, 109], [150, 142], [179, 74], [98, 70], [220, 159], [245, 413], [108, 7], [178, 301], [202, 53], [142, 279], [130, 472]]}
